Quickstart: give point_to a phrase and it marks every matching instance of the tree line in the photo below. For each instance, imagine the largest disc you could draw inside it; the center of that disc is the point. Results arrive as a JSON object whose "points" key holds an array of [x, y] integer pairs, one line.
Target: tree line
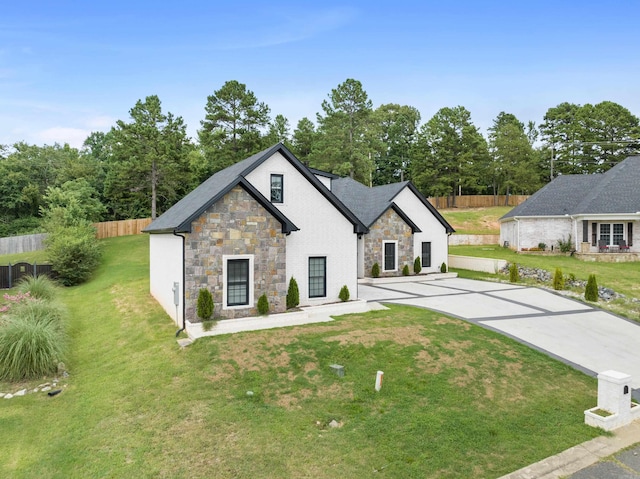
{"points": [[147, 162]]}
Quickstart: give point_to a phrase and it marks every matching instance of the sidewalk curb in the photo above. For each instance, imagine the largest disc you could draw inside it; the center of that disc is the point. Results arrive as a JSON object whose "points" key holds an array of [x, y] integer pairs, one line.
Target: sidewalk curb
{"points": [[581, 456]]}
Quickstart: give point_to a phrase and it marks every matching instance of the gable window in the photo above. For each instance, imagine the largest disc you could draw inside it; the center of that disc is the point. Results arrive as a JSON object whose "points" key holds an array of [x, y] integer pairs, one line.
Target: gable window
{"points": [[389, 252], [277, 188], [317, 277], [426, 254]]}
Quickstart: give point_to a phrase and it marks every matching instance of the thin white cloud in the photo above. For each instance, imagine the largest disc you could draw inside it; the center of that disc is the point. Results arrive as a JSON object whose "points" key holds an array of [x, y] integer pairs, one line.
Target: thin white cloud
{"points": [[289, 28], [102, 122], [73, 136]]}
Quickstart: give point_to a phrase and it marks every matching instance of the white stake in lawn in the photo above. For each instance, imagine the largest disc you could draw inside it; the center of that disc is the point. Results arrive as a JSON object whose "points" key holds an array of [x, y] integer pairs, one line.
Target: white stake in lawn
{"points": [[379, 380]]}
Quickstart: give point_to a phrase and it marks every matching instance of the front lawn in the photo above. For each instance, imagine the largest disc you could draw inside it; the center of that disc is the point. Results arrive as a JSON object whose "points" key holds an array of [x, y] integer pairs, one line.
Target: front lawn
{"points": [[457, 400]]}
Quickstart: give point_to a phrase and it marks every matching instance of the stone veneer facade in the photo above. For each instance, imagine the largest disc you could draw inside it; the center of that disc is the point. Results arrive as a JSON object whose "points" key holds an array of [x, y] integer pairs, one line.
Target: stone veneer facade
{"points": [[389, 227], [235, 225]]}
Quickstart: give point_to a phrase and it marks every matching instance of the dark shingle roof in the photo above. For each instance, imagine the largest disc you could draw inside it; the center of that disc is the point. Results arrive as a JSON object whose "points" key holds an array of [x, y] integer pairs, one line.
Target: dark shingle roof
{"points": [[615, 191], [178, 218], [370, 203]]}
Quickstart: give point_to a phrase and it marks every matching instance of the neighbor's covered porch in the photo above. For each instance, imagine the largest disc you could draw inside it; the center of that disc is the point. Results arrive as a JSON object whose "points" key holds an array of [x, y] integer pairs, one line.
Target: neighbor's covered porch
{"points": [[607, 235]]}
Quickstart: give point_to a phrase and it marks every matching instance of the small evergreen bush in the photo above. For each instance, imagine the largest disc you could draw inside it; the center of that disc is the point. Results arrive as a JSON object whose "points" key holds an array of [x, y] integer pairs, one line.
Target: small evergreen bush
{"points": [[204, 308], [375, 270], [591, 290], [405, 270], [558, 280], [263, 305], [293, 294], [417, 265], [344, 293], [443, 267], [514, 275], [542, 246], [40, 287]]}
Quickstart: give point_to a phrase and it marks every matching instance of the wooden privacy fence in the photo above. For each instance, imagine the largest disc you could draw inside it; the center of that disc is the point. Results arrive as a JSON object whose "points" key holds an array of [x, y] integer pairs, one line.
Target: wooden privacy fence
{"points": [[112, 229], [476, 201], [12, 273]]}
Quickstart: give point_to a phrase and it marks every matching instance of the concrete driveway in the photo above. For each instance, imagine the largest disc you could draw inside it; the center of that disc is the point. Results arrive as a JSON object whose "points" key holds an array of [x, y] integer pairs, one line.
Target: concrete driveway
{"points": [[576, 333]]}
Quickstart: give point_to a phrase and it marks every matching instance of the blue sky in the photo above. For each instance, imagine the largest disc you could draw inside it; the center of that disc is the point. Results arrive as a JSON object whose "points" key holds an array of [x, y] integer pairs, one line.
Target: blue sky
{"points": [[69, 68]]}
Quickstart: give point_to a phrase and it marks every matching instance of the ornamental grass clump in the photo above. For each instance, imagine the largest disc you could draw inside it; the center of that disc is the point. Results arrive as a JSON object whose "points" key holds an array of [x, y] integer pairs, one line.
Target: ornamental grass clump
{"points": [[39, 287], [33, 340]]}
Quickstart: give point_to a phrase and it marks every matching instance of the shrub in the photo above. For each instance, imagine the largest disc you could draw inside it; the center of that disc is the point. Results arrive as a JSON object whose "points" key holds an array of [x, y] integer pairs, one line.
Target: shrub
{"points": [[565, 245], [542, 246], [204, 308], [344, 293], [405, 270], [293, 294], [514, 275], [74, 253], [443, 267], [33, 341], [591, 290], [263, 305], [417, 265], [558, 280], [39, 287], [375, 270]]}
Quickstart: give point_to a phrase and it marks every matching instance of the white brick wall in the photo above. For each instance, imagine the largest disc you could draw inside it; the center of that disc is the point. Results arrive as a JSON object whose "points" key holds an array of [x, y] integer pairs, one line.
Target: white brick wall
{"points": [[324, 231]]}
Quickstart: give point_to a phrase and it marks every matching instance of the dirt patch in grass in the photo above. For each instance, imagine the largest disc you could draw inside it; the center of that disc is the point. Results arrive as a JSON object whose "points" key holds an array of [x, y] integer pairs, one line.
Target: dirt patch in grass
{"points": [[403, 336], [442, 320]]}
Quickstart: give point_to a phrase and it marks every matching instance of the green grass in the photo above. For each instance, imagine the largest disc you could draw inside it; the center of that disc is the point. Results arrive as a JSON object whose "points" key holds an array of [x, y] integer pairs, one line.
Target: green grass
{"points": [[621, 277], [39, 257], [476, 221], [457, 400]]}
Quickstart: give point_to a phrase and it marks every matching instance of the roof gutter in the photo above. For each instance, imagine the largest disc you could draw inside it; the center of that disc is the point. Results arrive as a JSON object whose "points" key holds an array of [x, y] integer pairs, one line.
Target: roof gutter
{"points": [[184, 309]]}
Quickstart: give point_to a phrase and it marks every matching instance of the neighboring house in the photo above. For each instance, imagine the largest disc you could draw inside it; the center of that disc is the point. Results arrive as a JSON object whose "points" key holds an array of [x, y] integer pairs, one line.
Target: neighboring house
{"points": [[402, 225], [597, 212], [248, 229]]}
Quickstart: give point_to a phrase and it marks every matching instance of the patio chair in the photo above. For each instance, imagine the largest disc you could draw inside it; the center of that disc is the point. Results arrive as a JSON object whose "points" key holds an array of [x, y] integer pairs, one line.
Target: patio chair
{"points": [[624, 247], [603, 247]]}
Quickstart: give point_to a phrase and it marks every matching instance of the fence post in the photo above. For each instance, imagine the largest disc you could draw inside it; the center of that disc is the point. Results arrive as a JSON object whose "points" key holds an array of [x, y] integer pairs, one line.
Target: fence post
{"points": [[10, 271]]}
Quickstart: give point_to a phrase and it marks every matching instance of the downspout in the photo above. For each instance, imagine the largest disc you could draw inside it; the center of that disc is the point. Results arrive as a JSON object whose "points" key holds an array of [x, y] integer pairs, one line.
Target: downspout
{"points": [[184, 308]]}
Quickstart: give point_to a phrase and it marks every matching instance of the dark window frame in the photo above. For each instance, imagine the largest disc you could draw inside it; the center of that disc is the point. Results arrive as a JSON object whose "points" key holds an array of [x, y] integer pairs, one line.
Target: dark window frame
{"points": [[426, 264], [274, 199], [313, 285], [385, 255], [246, 281]]}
